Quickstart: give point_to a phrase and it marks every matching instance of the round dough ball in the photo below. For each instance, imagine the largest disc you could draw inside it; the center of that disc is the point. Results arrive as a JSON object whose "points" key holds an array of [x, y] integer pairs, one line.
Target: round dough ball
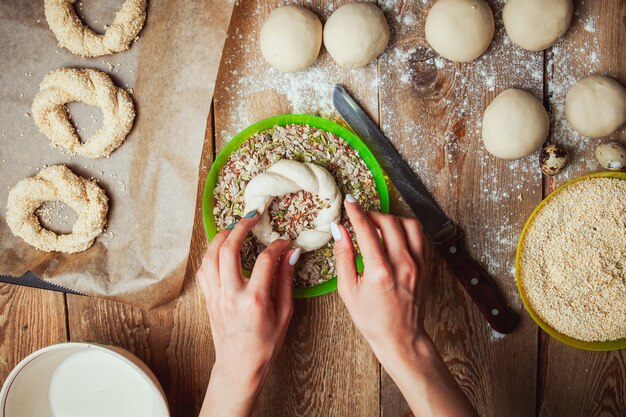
{"points": [[460, 30], [291, 38], [596, 106], [537, 24], [515, 124], [355, 34]]}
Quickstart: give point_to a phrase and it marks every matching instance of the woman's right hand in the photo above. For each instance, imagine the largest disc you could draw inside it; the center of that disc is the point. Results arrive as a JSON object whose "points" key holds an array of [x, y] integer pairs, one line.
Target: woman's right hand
{"points": [[387, 300], [387, 304]]}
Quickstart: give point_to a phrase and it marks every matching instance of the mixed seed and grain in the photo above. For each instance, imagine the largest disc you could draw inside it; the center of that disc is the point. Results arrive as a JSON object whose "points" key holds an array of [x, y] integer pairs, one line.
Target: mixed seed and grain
{"points": [[295, 212]]}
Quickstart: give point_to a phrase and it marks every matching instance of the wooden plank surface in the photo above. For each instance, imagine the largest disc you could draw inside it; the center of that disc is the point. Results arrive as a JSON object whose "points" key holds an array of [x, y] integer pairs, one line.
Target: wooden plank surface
{"points": [[325, 367], [573, 382], [431, 109], [30, 319], [174, 339]]}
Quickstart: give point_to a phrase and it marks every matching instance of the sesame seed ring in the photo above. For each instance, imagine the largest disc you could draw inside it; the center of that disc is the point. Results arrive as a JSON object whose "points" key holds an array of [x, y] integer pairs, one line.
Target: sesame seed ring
{"points": [[286, 177], [71, 33], [90, 86], [57, 183]]}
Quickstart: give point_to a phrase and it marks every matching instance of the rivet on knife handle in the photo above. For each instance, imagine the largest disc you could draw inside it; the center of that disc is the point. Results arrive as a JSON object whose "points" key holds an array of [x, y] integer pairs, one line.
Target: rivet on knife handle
{"points": [[478, 284]]}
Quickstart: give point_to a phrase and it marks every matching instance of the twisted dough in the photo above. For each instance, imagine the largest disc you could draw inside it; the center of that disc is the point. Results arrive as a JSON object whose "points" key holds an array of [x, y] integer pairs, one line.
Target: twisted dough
{"points": [[90, 86], [72, 34], [57, 183], [286, 177]]}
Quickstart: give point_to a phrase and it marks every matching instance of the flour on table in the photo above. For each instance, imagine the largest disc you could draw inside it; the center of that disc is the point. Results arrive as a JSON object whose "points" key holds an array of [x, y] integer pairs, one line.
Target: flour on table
{"points": [[496, 337], [474, 85], [571, 68], [590, 25]]}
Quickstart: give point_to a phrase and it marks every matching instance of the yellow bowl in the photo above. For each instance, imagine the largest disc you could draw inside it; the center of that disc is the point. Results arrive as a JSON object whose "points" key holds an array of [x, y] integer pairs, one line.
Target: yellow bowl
{"points": [[580, 344]]}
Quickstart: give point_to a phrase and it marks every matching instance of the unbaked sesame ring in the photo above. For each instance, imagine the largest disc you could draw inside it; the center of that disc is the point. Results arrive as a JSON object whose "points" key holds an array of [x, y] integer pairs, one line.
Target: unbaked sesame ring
{"points": [[286, 177], [90, 86], [57, 183], [71, 33]]}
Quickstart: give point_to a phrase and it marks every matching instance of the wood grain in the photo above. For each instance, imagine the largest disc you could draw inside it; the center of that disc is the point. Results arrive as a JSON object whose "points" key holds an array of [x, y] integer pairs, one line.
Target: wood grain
{"points": [[325, 368], [174, 339], [431, 109], [30, 319], [574, 382]]}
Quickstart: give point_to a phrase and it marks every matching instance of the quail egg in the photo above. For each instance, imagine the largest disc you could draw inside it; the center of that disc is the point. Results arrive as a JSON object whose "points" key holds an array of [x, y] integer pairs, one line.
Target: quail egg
{"points": [[553, 159], [611, 156]]}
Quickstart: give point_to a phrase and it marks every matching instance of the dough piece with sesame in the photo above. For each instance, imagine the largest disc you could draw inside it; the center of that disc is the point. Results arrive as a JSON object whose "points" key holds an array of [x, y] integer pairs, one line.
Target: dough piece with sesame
{"points": [[71, 33], [57, 183], [92, 87]]}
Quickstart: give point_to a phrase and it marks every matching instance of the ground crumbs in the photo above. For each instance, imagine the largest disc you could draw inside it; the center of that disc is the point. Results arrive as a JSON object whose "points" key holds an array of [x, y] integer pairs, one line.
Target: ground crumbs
{"points": [[573, 265]]}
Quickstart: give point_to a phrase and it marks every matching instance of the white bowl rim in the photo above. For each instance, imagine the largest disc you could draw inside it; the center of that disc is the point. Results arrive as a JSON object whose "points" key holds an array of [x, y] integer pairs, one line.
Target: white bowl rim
{"points": [[86, 345]]}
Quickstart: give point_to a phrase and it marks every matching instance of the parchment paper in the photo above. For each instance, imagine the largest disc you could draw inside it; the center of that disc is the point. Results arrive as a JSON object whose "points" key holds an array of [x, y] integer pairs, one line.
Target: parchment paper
{"points": [[151, 179]]}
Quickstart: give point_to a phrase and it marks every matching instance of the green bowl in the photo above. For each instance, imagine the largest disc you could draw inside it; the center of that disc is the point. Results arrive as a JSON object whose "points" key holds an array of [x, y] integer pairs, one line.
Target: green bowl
{"points": [[320, 123], [580, 344]]}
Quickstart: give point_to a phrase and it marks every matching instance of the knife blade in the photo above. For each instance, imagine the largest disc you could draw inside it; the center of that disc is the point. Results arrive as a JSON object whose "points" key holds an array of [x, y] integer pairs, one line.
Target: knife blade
{"points": [[33, 281], [446, 237]]}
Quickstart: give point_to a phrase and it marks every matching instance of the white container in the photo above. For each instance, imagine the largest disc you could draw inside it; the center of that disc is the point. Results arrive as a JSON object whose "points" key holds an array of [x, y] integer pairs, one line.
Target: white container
{"points": [[80, 379]]}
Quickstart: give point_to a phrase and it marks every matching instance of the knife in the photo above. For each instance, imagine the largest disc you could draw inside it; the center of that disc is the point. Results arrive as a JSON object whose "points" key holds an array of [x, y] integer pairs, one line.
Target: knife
{"points": [[31, 280], [446, 237]]}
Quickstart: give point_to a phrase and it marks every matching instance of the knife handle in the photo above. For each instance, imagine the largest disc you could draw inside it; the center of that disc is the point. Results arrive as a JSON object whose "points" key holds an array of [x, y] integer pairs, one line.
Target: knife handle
{"points": [[478, 284]]}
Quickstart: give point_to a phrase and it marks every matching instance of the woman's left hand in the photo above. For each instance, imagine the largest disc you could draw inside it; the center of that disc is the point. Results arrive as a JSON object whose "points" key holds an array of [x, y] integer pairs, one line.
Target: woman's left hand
{"points": [[248, 319]]}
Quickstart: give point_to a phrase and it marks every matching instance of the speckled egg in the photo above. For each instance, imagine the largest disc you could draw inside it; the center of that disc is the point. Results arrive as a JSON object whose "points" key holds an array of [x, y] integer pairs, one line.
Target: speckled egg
{"points": [[553, 159], [611, 156]]}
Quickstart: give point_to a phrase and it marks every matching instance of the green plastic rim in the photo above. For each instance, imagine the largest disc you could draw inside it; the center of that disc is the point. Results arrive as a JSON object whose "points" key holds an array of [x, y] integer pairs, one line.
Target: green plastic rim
{"points": [[317, 122], [570, 341]]}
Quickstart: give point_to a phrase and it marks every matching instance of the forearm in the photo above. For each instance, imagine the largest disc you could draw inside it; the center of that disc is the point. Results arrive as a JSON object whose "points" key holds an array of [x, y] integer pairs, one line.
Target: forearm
{"points": [[425, 381], [230, 393]]}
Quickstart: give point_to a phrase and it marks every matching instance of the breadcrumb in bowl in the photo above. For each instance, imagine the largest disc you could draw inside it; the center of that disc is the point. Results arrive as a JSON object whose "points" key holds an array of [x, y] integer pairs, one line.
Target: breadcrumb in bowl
{"points": [[584, 332], [374, 194]]}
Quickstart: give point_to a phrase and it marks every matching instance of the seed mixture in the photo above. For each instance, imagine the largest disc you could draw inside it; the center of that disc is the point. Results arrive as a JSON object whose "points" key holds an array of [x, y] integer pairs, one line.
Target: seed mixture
{"points": [[573, 265], [295, 212]]}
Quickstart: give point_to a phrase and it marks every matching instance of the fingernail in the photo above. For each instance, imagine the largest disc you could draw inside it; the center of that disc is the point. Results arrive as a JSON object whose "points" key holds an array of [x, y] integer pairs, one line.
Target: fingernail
{"points": [[335, 231], [284, 237], [350, 198], [230, 226], [250, 214], [293, 259]]}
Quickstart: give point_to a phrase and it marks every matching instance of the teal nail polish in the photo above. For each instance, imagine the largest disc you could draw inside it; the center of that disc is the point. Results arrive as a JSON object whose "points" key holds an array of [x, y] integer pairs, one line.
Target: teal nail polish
{"points": [[231, 226], [250, 215]]}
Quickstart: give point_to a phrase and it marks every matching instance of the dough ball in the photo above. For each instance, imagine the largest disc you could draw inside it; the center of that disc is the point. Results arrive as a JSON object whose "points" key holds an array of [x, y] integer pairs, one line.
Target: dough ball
{"points": [[515, 124], [596, 106], [460, 30], [291, 38], [537, 24], [355, 34]]}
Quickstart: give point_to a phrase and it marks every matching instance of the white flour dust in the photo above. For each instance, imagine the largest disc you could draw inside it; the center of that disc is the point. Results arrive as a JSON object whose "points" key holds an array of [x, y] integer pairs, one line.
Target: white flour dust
{"points": [[470, 87]]}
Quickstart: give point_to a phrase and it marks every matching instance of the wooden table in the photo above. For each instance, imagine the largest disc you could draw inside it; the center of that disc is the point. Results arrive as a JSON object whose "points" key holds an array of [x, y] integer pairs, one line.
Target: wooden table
{"points": [[430, 109]]}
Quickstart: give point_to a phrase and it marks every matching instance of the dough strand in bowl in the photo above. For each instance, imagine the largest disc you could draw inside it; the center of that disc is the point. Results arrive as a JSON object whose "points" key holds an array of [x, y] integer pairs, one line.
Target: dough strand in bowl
{"points": [[90, 86], [71, 32], [57, 183], [288, 176]]}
